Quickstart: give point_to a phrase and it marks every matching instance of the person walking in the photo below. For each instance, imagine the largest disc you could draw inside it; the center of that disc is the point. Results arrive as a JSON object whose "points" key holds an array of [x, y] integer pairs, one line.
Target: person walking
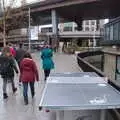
{"points": [[28, 75], [7, 67], [48, 64], [19, 54], [12, 51]]}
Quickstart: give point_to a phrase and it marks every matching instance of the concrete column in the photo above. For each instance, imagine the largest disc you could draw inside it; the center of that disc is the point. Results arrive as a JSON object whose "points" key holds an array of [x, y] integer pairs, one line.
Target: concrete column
{"points": [[73, 27], [55, 41], [54, 22], [94, 40]]}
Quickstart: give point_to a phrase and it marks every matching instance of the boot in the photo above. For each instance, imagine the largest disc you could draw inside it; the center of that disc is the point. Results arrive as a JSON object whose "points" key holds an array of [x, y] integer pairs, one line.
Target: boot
{"points": [[14, 90], [32, 94], [5, 96], [26, 100]]}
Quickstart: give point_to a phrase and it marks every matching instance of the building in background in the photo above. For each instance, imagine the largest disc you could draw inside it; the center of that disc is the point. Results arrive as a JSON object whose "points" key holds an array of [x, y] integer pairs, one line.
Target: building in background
{"points": [[90, 35], [111, 48]]}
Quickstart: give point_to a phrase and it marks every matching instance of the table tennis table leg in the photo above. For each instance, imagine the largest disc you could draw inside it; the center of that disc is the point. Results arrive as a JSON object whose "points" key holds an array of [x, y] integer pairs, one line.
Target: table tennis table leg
{"points": [[103, 115], [59, 115]]}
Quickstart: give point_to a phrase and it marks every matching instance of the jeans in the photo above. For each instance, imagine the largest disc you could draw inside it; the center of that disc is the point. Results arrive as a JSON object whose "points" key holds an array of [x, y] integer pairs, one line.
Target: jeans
{"points": [[46, 73], [5, 80], [25, 89]]}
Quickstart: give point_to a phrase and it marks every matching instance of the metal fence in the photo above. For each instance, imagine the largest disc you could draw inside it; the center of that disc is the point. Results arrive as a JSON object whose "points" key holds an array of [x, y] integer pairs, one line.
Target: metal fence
{"points": [[87, 67]]}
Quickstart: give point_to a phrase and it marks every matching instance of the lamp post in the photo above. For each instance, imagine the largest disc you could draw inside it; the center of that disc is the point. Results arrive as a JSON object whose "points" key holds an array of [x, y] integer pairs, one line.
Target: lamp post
{"points": [[29, 31], [94, 40], [4, 24]]}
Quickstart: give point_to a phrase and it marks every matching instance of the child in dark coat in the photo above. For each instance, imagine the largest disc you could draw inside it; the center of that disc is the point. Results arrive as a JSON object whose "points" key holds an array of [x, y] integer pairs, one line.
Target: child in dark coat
{"points": [[7, 71]]}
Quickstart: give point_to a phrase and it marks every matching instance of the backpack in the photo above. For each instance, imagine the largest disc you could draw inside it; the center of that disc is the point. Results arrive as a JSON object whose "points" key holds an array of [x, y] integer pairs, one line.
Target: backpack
{"points": [[4, 65]]}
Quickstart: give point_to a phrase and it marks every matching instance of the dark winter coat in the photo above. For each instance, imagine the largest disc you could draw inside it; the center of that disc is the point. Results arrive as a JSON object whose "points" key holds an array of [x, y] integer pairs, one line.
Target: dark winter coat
{"points": [[11, 67], [28, 70], [19, 55]]}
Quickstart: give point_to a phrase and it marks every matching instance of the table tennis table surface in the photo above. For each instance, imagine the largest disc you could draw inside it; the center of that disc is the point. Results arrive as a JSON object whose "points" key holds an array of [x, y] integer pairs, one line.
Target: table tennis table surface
{"points": [[79, 95]]}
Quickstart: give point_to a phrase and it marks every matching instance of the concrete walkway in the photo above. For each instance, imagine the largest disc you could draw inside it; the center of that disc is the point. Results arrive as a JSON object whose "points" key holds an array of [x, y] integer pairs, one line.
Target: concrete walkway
{"points": [[14, 109]]}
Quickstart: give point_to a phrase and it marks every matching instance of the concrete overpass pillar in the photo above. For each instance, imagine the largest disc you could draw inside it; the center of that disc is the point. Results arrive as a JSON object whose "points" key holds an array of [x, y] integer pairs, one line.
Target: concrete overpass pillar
{"points": [[54, 22], [94, 42], [55, 41]]}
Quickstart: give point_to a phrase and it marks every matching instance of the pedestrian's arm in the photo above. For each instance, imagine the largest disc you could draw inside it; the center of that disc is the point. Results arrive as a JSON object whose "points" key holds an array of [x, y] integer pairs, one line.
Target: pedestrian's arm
{"points": [[14, 65], [21, 69], [36, 71]]}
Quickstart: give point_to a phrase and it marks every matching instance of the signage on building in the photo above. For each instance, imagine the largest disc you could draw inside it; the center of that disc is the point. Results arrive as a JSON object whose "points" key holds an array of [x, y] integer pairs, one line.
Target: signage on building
{"points": [[34, 33]]}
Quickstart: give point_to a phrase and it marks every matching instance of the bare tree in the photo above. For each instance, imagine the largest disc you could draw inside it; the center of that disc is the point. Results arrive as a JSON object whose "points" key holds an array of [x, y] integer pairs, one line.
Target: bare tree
{"points": [[6, 11], [9, 20]]}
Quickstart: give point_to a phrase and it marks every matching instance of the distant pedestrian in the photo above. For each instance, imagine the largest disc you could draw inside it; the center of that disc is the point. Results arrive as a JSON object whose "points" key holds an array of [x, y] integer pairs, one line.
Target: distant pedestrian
{"points": [[19, 54], [48, 64], [7, 67], [12, 51], [28, 75]]}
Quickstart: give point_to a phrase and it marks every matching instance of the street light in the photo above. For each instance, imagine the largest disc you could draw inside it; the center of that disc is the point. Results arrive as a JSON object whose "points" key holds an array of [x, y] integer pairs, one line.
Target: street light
{"points": [[94, 40], [29, 31]]}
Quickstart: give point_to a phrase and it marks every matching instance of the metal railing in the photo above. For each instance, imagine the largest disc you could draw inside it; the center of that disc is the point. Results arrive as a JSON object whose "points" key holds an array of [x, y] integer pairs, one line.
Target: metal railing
{"points": [[87, 67]]}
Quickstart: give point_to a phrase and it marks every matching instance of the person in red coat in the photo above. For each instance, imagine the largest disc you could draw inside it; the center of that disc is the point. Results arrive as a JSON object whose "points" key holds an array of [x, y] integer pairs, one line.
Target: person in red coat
{"points": [[28, 75]]}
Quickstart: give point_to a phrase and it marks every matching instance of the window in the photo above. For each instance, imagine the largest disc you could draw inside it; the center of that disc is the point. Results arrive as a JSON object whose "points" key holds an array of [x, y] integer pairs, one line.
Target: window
{"points": [[119, 31], [67, 28], [107, 33], [115, 31], [47, 29], [86, 28], [92, 28], [87, 22], [76, 29], [111, 32], [93, 23]]}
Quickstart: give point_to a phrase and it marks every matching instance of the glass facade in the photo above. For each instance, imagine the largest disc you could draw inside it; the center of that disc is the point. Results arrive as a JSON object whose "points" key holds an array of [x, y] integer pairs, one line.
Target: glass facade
{"points": [[115, 32], [112, 31], [86, 28]]}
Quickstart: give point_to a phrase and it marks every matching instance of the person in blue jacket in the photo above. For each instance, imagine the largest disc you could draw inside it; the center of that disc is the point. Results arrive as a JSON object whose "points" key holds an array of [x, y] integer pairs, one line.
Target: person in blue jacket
{"points": [[48, 64]]}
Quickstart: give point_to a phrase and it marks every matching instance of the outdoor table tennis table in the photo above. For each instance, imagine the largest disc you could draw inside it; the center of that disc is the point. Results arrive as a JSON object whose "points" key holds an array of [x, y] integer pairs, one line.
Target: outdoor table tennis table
{"points": [[78, 74], [91, 96]]}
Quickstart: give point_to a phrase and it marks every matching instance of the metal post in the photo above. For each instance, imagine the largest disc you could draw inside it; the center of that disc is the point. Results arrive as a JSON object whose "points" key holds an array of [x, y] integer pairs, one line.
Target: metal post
{"points": [[94, 40], [4, 24], [55, 30], [29, 34], [59, 115], [103, 115]]}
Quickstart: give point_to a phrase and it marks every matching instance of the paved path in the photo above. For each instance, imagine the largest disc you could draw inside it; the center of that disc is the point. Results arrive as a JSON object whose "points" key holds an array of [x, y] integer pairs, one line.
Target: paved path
{"points": [[14, 109]]}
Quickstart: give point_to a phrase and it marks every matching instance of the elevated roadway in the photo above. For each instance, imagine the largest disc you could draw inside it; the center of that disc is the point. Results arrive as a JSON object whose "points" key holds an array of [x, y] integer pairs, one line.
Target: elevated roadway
{"points": [[67, 10]]}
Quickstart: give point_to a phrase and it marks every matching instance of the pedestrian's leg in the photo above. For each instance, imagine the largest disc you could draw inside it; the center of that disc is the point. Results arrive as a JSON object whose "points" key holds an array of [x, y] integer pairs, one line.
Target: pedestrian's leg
{"points": [[32, 89], [45, 74], [48, 73], [13, 84], [4, 88], [25, 90]]}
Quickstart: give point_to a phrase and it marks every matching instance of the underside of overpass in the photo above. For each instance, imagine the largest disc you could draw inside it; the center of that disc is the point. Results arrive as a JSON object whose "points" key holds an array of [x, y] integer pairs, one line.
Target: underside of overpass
{"points": [[77, 10], [67, 10]]}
